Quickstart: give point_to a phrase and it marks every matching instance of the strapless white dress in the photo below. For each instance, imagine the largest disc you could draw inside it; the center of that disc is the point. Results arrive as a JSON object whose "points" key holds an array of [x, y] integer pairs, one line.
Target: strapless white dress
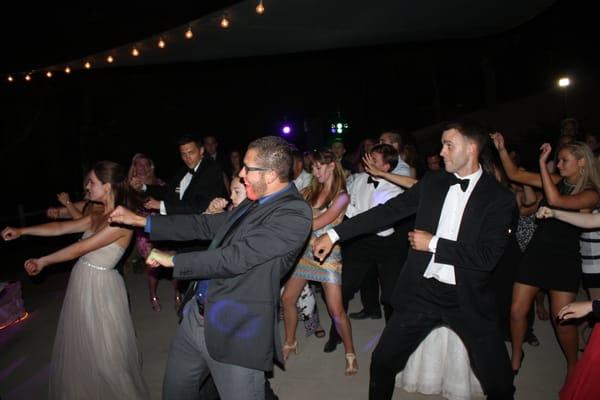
{"points": [[440, 365], [95, 353]]}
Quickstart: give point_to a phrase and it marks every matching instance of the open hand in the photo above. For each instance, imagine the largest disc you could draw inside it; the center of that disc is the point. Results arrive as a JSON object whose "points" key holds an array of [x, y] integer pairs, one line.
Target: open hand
{"points": [[34, 266], [10, 233], [577, 309], [322, 247], [370, 167]]}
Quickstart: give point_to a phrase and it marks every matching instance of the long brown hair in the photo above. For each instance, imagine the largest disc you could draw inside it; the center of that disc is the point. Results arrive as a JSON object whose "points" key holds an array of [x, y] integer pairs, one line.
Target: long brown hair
{"points": [[312, 191], [113, 173]]}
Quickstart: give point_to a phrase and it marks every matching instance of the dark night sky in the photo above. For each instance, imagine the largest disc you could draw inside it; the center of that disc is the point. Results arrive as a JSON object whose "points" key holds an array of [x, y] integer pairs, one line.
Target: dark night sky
{"points": [[51, 129]]}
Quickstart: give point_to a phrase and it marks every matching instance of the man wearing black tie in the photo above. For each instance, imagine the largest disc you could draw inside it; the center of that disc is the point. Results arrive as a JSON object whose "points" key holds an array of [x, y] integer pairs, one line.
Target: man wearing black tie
{"points": [[192, 188], [230, 325], [461, 230]]}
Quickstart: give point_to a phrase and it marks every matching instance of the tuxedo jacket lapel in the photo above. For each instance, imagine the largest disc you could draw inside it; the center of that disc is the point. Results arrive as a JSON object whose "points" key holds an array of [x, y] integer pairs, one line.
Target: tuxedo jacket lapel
{"points": [[435, 205], [473, 206]]}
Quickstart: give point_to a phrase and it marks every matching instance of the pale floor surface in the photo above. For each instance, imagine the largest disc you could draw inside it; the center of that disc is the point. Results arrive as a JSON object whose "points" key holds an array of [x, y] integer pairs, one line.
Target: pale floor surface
{"points": [[312, 374]]}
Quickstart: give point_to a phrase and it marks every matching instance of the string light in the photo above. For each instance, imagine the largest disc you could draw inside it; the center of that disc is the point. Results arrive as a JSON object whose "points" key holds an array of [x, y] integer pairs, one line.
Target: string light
{"points": [[224, 22], [260, 8]]}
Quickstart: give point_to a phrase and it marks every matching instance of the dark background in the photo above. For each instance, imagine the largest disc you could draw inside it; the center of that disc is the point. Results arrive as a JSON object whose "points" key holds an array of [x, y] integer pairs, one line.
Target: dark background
{"points": [[53, 130]]}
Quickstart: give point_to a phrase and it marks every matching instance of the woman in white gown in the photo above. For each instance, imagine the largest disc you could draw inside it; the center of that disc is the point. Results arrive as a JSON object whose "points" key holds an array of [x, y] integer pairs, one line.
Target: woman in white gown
{"points": [[95, 353]]}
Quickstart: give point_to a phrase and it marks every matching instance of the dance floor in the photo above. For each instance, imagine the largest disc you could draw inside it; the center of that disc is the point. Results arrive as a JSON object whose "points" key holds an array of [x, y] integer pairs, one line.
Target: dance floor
{"points": [[312, 374]]}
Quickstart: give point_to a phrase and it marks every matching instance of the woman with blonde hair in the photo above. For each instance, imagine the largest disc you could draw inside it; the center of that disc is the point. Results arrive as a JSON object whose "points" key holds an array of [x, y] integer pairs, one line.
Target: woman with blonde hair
{"points": [[552, 260], [328, 198]]}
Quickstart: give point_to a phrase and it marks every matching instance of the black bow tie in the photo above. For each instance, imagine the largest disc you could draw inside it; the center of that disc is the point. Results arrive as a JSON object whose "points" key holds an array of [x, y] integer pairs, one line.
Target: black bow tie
{"points": [[191, 171], [464, 183], [373, 181]]}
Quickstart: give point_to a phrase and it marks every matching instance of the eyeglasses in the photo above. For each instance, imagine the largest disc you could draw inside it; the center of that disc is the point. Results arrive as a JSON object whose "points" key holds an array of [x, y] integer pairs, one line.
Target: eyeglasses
{"points": [[250, 169]]}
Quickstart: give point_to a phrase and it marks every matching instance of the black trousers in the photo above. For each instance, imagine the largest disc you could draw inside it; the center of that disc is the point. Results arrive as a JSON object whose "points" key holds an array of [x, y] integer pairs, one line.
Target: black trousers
{"points": [[369, 292], [435, 305], [367, 254]]}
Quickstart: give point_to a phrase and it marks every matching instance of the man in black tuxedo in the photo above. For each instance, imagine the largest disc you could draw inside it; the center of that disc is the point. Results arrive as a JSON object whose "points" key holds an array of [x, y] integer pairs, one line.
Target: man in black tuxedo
{"points": [[192, 188], [230, 326], [461, 230]]}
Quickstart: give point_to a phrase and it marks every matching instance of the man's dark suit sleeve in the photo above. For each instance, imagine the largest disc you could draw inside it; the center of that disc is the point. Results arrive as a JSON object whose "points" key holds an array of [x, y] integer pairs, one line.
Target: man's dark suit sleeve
{"points": [[484, 253], [283, 233], [186, 227], [382, 216]]}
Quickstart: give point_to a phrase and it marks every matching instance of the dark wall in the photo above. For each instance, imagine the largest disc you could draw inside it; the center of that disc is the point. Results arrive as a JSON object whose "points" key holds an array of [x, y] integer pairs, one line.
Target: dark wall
{"points": [[53, 129]]}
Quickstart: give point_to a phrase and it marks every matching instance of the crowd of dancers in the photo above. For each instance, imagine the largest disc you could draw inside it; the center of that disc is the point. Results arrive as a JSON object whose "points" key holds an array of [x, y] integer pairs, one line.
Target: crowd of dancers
{"points": [[456, 254]]}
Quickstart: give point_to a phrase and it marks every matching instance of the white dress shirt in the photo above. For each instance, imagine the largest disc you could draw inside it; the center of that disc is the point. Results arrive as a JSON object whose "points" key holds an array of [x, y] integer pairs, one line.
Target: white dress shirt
{"points": [[183, 185], [303, 180], [364, 196], [402, 168], [448, 226]]}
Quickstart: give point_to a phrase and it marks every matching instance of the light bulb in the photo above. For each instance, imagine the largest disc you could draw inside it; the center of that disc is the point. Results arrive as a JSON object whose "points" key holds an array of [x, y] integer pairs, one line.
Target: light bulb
{"points": [[135, 52], [189, 34], [10, 78], [87, 65], [161, 43], [224, 22], [67, 70], [110, 59], [564, 82], [260, 8], [49, 74], [27, 77]]}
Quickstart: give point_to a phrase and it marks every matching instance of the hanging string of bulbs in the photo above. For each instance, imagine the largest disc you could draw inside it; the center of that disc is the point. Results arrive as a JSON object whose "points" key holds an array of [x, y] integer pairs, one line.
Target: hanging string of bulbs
{"points": [[86, 62]]}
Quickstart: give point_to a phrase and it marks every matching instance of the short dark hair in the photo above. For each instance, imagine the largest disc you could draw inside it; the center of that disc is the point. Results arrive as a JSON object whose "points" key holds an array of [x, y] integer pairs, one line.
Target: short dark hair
{"points": [[274, 153], [188, 139], [389, 153], [472, 130], [296, 153]]}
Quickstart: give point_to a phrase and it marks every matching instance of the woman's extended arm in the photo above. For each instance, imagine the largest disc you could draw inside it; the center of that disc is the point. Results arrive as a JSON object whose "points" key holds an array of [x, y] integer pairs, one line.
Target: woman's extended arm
{"points": [[338, 207], [512, 171], [49, 229], [582, 220], [100, 239]]}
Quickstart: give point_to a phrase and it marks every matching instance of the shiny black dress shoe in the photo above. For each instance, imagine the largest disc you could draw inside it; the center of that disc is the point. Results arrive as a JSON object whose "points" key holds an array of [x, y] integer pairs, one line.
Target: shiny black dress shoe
{"points": [[331, 344], [363, 314]]}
